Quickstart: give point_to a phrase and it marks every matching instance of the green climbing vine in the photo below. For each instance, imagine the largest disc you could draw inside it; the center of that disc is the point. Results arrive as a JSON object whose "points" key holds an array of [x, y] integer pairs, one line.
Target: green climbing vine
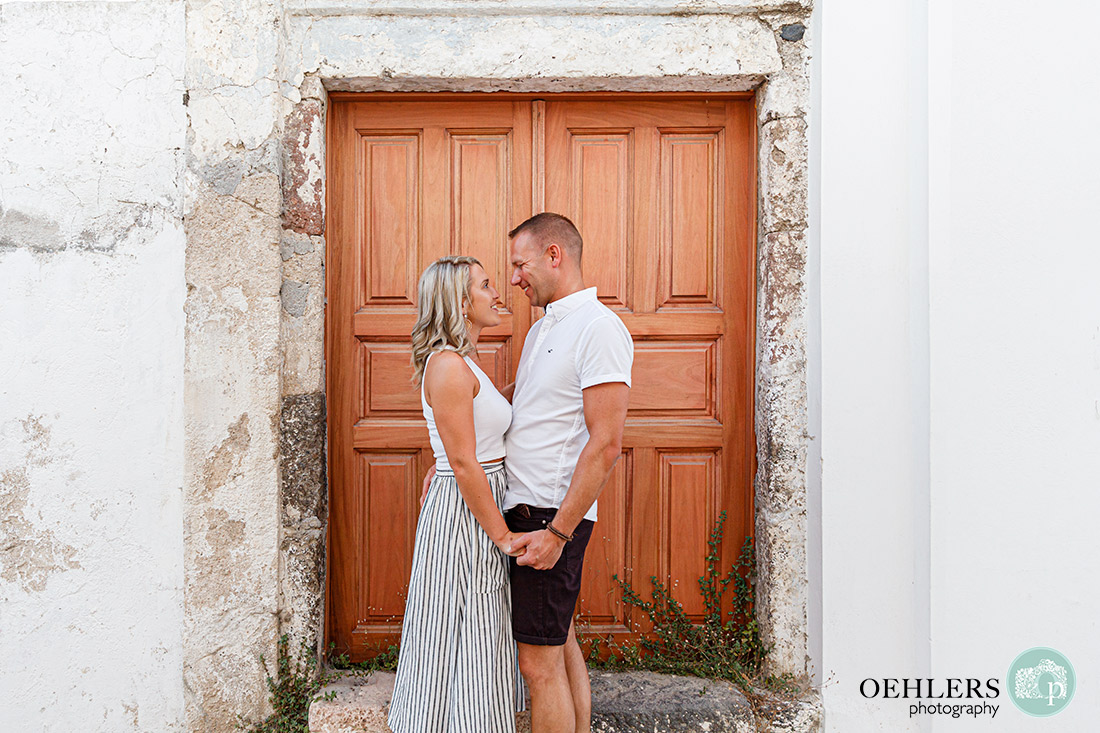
{"points": [[726, 645]]}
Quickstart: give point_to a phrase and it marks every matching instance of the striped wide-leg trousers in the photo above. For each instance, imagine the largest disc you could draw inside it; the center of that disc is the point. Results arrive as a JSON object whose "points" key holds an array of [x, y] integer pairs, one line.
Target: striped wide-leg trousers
{"points": [[457, 670]]}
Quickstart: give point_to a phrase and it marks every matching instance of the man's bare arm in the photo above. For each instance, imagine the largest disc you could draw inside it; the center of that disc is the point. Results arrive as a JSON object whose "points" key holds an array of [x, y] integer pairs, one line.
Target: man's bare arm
{"points": [[605, 416]]}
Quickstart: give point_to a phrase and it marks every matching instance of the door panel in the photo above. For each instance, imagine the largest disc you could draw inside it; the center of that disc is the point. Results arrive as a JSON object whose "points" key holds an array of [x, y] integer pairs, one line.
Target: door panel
{"points": [[663, 192], [601, 171], [389, 244], [658, 191], [607, 552]]}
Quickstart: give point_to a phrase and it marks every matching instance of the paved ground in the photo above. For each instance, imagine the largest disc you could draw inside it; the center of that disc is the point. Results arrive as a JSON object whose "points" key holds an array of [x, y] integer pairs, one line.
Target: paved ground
{"points": [[627, 702]]}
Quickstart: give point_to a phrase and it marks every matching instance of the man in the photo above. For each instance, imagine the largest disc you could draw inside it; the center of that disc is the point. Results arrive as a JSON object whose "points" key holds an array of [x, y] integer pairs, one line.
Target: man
{"points": [[569, 406]]}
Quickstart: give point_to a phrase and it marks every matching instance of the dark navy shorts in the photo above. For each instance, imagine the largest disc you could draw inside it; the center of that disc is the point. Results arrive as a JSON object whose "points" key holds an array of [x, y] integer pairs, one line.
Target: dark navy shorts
{"points": [[543, 601]]}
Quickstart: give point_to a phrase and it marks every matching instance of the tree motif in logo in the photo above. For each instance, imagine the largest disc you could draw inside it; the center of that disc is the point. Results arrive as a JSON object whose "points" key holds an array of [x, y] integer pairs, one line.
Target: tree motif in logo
{"points": [[1026, 684]]}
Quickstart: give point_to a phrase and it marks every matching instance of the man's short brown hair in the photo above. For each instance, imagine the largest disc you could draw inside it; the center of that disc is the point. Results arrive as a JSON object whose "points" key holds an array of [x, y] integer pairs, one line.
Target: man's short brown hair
{"points": [[549, 228]]}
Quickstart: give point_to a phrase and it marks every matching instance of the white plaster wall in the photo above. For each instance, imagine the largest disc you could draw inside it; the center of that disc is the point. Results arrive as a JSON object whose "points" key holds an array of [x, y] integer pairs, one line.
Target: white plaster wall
{"points": [[872, 386], [91, 377], [957, 351], [1014, 281]]}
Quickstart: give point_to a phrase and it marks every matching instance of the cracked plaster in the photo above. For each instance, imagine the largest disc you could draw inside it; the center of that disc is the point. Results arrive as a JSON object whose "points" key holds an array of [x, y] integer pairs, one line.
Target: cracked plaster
{"points": [[87, 188], [91, 417], [233, 363], [29, 553]]}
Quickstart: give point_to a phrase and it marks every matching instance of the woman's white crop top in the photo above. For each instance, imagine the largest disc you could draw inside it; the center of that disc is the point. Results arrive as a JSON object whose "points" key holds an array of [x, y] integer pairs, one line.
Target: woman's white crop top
{"points": [[492, 416]]}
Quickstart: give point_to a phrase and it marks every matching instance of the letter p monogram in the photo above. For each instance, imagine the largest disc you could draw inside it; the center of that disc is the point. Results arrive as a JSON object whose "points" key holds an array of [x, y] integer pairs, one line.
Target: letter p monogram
{"points": [[1050, 692]]}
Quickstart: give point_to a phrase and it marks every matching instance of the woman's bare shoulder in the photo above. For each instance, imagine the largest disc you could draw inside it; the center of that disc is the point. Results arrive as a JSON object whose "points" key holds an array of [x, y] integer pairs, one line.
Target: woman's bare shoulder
{"points": [[446, 370]]}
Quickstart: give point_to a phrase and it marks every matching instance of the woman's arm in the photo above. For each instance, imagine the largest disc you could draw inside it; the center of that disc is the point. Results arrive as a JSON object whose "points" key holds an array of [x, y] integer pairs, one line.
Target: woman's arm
{"points": [[507, 392], [449, 386]]}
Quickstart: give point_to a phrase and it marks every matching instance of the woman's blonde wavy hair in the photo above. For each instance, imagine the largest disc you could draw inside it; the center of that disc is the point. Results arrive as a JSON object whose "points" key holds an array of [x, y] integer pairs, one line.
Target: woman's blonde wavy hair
{"points": [[444, 287]]}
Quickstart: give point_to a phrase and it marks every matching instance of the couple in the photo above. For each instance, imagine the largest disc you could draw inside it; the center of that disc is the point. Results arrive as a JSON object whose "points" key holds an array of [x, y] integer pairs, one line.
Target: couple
{"points": [[473, 612]]}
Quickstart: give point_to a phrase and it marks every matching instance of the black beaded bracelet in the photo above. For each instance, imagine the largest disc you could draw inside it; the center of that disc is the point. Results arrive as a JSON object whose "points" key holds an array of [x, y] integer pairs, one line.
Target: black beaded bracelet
{"points": [[556, 531]]}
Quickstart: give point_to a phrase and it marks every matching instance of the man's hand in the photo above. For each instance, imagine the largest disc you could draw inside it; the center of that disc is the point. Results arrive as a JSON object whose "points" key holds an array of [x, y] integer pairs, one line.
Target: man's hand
{"points": [[427, 483], [543, 548]]}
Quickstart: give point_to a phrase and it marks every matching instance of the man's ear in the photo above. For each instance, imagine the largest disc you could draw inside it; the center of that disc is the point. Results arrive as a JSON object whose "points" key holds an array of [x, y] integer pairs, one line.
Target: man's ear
{"points": [[555, 254]]}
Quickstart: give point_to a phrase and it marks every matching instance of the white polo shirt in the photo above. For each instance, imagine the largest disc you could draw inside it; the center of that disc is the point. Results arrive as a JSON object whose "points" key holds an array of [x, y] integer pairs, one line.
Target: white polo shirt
{"points": [[580, 342]]}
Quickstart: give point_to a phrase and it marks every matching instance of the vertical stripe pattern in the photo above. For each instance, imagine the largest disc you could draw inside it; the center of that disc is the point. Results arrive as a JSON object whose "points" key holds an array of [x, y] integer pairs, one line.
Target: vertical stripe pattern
{"points": [[457, 671]]}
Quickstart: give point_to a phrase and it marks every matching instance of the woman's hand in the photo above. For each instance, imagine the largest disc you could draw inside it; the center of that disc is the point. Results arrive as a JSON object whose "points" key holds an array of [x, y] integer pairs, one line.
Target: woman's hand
{"points": [[427, 483], [505, 543]]}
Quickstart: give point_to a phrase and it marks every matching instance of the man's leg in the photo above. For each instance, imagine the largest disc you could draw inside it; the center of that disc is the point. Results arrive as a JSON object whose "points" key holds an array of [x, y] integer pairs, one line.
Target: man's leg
{"points": [[579, 686], [543, 668]]}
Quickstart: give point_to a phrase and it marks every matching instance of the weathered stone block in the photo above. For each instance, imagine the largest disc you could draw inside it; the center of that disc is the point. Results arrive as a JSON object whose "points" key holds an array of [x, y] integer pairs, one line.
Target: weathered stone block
{"points": [[784, 176], [786, 93], [805, 715], [571, 51], [294, 296], [359, 706], [782, 306], [303, 323], [312, 88], [303, 583], [792, 32], [781, 604], [303, 169], [294, 243], [232, 242], [642, 702], [781, 448], [302, 457]]}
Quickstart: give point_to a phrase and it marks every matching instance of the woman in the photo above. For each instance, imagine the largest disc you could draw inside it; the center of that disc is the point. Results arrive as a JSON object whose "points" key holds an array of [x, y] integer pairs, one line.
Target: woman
{"points": [[457, 670]]}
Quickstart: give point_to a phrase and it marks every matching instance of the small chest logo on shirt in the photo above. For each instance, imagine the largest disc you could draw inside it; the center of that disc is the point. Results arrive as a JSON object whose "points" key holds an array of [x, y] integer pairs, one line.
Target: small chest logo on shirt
{"points": [[549, 351]]}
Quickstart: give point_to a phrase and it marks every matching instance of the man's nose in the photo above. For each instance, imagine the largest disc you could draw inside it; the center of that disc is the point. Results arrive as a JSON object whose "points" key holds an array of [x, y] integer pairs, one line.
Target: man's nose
{"points": [[515, 277]]}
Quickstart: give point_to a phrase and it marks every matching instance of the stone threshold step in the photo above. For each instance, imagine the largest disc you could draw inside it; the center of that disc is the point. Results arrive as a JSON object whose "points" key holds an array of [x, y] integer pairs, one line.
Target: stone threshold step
{"points": [[622, 702]]}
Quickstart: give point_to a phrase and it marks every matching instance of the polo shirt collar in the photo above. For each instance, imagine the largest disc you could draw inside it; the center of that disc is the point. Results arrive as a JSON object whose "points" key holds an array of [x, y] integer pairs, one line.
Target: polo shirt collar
{"points": [[562, 307]]}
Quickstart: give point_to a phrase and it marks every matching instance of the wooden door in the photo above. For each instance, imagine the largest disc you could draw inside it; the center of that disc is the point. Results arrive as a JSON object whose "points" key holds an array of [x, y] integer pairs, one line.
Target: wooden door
{"points": [[663, 192]]}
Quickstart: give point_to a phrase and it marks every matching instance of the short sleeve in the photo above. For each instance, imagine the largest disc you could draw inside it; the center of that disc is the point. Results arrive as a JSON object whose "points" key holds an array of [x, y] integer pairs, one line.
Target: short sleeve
{"points": [[605, 353]]}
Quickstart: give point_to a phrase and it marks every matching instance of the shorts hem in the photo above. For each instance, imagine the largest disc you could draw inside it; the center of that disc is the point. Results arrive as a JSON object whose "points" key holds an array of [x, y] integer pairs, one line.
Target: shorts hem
{"points": [[540, 640]]}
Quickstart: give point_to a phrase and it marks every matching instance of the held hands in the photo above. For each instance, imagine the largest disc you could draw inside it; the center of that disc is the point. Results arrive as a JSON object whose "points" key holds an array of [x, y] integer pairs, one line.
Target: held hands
{"points": [[509, 544], [540, 549]]}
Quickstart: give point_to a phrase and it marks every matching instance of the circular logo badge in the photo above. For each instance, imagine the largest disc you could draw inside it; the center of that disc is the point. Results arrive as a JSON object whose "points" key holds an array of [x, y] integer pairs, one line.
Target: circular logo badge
{"points": [[1041, 682]]}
